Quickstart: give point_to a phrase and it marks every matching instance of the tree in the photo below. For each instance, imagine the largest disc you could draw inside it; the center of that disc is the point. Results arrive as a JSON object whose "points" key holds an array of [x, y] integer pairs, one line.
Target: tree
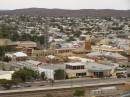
{"points": [[79, 93], [25, 37], [6, 59], [3, 50], [15, 37], [25, 74], [77, 34], [43, 76], [2, 67], [71, 39], [7, 84], [8, 31], [59, 74], [42, 39]]}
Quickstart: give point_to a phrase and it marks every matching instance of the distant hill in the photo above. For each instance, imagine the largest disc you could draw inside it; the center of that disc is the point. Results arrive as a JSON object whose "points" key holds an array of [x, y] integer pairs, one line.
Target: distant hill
{"points": [[62, 12]]}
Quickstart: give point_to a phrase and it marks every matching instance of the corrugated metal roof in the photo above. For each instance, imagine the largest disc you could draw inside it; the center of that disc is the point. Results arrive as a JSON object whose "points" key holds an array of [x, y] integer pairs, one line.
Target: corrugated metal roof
{"points": [[20, 54]]}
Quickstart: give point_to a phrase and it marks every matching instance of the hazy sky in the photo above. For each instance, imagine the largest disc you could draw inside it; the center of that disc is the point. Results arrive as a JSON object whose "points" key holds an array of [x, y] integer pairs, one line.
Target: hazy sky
{"points": [[66, 4]]}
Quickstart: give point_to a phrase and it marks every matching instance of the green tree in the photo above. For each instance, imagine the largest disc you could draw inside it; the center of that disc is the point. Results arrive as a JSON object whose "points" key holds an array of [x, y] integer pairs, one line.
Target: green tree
{"points": [[35, 38], [15, 37], [25, 74], [7, 83], [77, 34], [3, 50], [6, 59], [59, 74], [79, 93], [7, 31], [25, 37], [42, 39], [2, 67], [71, 39], [43, 76]]}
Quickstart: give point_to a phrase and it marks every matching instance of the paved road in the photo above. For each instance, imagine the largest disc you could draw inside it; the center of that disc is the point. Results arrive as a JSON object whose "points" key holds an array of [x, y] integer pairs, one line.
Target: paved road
{"points": [[56, 87], [79, 81], [37, 90], [70, 83]]}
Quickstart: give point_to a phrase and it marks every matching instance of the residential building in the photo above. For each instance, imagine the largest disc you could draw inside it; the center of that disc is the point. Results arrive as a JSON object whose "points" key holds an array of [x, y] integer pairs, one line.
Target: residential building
{"points": [[76, 69]]}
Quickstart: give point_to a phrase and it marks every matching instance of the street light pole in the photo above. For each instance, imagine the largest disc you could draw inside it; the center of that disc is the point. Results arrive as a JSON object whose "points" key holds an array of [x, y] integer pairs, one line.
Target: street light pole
{"points": [[51, 79]]}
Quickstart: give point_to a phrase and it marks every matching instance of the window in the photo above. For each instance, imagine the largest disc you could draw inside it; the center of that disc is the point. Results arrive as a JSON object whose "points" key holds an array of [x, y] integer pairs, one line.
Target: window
{"points": [[74, 67], [81, 74], [82, 67], [68, 67], [78, 67]]}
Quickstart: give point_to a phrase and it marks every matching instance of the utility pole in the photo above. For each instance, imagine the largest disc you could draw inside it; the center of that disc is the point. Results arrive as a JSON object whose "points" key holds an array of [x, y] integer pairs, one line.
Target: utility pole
{"points": [[46, 35]]}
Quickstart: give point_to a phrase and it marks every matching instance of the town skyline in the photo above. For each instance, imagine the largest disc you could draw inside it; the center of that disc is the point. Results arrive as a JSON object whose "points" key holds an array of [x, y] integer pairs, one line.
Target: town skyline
{"points": [[64, 48]]}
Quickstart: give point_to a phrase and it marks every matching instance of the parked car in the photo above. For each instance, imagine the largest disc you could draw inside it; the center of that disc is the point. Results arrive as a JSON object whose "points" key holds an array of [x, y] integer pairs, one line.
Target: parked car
{"points": [[27, 85], [16, 86]]}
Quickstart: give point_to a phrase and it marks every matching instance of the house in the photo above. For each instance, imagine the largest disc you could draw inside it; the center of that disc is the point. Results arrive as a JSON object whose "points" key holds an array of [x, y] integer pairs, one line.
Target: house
{"points": [[26, 46], [75, 58], [121, 72], [107, 48], [49, 70], [42, 53], [109, 55], [76, 69], [98, 70], [33, 62], [4, 42], [18, 56], [90, 69]]}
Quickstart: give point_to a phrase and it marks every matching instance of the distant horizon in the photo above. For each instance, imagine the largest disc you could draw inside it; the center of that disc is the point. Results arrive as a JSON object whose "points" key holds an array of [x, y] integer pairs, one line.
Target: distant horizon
{"points": [[65, 4], [59, 9]]}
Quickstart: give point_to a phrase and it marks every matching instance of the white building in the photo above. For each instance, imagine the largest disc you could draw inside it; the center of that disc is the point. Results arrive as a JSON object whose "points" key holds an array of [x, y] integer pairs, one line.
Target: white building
{"points": [[6, 74], [49, 70]]}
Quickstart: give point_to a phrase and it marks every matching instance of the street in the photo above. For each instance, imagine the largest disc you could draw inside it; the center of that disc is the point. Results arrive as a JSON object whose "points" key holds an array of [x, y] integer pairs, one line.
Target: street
{"points": [[79, 81]]}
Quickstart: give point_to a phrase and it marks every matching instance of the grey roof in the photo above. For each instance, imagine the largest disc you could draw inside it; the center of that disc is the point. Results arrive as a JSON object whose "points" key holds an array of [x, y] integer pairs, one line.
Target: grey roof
{"points": [[106, 54], [53, 66], [95, 67], [76, 63], [95, 54]]}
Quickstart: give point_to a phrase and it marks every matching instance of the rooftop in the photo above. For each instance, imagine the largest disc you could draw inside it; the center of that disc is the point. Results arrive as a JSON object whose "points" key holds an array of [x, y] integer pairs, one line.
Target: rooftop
{"points": [[5, 72], [53, 67], [20, 54], [76, 64], [106, 54], [95, 67]]}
